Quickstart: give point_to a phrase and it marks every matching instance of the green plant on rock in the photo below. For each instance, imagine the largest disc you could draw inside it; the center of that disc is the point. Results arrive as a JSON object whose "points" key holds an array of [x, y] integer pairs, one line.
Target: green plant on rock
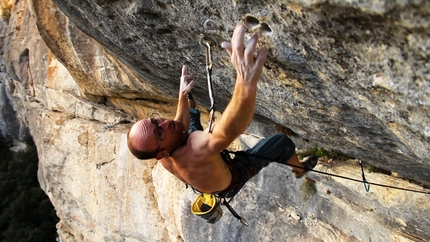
{"points": [[5, 14], [320, 152], [308, 188], [306, 153], [6, 8], [26, 214]]}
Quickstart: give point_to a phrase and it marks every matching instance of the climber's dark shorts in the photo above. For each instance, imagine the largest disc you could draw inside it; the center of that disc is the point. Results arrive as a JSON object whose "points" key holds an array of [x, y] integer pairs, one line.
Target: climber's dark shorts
{"points": [[277, 148], [194, 120], [243, 166]]}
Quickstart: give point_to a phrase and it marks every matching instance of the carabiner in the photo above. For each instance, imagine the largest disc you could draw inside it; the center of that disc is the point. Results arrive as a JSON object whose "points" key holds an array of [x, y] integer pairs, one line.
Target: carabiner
{"points": [[244, 222], [210, 24], [206, 42]]}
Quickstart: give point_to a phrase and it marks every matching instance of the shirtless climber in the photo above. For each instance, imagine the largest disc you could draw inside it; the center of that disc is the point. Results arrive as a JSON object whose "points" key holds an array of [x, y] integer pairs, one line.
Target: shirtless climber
{"points": [[198, 158]]}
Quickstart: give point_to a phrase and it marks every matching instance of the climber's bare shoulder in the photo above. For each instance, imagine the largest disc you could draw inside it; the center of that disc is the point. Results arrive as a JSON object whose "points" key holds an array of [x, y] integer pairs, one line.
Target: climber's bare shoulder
{"points": [[199, 166]]}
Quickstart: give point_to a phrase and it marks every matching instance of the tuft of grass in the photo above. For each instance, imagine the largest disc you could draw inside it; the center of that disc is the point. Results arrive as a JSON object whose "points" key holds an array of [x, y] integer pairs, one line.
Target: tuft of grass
{"points": [[308, 188], [320, 153], [6, 8], [306, 153], [284, 130], [5, 14]]}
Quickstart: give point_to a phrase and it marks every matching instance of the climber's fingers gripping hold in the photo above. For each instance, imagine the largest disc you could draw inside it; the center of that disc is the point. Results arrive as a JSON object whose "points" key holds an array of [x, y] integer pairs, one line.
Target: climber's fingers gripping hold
{"points": [[187, 81], [248, 65]]}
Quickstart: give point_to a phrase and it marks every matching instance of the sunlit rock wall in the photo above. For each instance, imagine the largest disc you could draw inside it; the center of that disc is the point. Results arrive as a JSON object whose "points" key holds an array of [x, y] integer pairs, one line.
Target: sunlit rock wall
{"points": [[349, 76], [352, 75]]}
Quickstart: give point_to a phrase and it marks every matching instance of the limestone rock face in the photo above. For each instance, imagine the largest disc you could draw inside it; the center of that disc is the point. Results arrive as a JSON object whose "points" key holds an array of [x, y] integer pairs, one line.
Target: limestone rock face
{"points": [[350, 76]]}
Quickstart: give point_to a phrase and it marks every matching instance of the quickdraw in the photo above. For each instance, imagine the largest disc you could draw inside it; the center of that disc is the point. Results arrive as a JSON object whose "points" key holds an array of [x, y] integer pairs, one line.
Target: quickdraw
{"points": [[366, 184], [204, 41]]}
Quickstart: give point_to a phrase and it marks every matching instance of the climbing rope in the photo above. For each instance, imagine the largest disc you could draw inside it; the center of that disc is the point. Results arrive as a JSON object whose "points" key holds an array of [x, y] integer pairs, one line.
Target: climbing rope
{"points": [[371, 183], [366, 183]]}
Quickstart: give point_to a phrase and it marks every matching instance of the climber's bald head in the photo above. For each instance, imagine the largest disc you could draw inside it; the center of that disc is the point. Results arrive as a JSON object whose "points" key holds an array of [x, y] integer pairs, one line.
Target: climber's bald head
{"points": [[141, 140]]}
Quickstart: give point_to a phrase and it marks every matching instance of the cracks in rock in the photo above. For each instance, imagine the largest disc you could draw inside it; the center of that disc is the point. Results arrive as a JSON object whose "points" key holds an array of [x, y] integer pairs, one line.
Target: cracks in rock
{"points": [[99, 165], [110, 126], [152, 100], [167, 30], [98, 106]]}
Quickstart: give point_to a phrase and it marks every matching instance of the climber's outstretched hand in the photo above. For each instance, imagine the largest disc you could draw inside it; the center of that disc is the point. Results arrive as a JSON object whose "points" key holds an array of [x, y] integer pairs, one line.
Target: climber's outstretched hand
{"points": [[246, 59]]}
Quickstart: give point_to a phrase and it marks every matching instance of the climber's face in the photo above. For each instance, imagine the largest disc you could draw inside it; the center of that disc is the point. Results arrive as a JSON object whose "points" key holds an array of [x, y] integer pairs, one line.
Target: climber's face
{"points": [[156, 135]]}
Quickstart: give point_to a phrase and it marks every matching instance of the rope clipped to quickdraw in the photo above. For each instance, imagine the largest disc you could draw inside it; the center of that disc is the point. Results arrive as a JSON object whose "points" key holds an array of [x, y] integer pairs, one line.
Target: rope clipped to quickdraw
{"points": [[366, 184], [339, 176], [207, 43]]}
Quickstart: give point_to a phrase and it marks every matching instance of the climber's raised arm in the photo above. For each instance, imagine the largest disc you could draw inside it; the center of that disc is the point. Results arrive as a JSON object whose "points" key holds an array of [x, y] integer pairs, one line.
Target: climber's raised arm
{"points": [[182, 111], [248, 62]]}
